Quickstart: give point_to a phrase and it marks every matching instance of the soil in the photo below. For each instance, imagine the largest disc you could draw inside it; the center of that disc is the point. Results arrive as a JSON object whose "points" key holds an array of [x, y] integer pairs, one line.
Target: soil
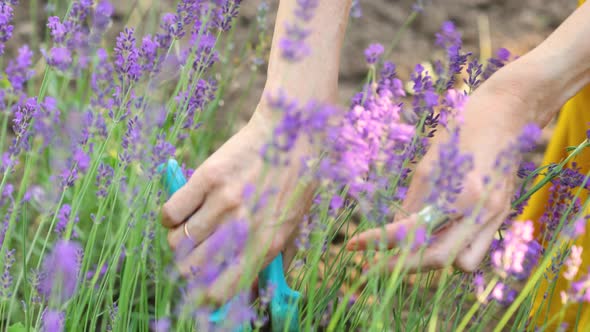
{"points": [[486, 26]]}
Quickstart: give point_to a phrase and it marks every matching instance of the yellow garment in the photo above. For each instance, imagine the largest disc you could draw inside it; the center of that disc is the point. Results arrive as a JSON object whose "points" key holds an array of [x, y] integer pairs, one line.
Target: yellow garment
{"points": [[570, 131]]}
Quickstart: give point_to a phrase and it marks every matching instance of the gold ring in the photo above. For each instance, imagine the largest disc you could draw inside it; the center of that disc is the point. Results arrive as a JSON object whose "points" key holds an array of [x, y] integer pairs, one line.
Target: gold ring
{"points": [[185, 227]]}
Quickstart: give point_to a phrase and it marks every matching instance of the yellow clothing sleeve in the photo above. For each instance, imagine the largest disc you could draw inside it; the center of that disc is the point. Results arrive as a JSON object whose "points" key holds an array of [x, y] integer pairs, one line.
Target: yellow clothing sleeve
{"points": [[571, 129]]}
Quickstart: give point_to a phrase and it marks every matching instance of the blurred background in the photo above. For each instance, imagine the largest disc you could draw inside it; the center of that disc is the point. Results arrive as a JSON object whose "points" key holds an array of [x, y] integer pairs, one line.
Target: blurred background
{"points": [[486, 25]]}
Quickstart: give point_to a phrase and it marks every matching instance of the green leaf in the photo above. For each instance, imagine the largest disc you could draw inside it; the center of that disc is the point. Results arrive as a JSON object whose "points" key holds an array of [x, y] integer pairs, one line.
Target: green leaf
{"points": [[570, 148], [18, 327]]}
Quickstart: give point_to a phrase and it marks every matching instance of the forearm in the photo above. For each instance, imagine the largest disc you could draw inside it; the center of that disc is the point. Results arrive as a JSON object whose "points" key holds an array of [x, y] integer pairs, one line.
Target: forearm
{"points": [[316, 75], [553, 72]]}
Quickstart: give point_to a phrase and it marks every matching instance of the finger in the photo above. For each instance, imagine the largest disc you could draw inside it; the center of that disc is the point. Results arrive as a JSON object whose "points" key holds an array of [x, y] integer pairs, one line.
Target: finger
{"points": [[391, 234], [246, 268], [415, 196], [187, 199], [217, 208], [471, 257], [203, 254], [290, 251], [230, 282], [445, 248]]}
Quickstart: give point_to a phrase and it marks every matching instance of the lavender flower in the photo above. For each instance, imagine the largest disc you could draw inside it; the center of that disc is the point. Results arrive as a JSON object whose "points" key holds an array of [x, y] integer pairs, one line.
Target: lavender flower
{"points": [[474, 70], [160, 325], [227, 11], [292, 45], [57, 29], [573, 263], [579, 291], [425, 97], [6, 27], [518, 253], [388, 81], [6, 279], [102, 81], [448, 173], [63, 218], [224, 246], [305, 9], [173, 29], [454, 106], [503, 294], [502, 57], [102, 15], [76, 164], [18, 70], [113, 311], [355, 10], [127, 57], [373, 52], [562, 204], [131, 141], [161, 152], [508, 159], [24, 113], [58, 57], [450, 39], [61, 271], [240, 312], [148, 53], [104, 178], [205, 55], [52, 321]]}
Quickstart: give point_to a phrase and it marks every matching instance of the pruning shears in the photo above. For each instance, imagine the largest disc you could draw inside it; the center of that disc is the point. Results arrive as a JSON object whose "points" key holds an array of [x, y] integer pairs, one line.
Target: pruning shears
{"points": [[284, 306]]}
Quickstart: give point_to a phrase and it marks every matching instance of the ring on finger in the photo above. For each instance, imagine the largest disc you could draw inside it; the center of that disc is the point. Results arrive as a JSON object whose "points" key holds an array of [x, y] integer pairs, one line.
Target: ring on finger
{"points": [[435, 218], [186, 233]]}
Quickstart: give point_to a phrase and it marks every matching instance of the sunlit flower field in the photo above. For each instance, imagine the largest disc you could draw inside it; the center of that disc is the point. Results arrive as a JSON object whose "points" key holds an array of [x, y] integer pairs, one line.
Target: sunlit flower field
{"points": [[88, 125]]}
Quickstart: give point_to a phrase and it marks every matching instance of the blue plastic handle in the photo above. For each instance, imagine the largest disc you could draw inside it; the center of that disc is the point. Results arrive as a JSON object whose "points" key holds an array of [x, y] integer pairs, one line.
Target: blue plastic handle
{"points": [[284, 305]]}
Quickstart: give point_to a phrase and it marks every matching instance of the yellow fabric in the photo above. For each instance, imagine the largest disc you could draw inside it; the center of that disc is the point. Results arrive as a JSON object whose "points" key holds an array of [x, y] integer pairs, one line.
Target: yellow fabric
{"points": [[570, 130]]}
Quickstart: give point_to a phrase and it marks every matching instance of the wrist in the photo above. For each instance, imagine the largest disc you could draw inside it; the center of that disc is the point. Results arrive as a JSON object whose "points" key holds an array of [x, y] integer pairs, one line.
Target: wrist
{"points": [[292, 95], [539, 83]]}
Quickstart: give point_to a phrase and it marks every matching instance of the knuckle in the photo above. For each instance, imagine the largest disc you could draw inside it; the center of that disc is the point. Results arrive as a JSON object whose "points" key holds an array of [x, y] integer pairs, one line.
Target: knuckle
{"points": [[275, 249], [231, 197], [467, 264], [168, 216], [207, 173], [474, 188], [440, 260], [496, 202]]}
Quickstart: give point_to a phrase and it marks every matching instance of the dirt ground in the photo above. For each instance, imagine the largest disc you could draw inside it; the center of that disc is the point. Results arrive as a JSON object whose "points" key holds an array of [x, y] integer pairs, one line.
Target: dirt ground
{"points": [[486, 25]]}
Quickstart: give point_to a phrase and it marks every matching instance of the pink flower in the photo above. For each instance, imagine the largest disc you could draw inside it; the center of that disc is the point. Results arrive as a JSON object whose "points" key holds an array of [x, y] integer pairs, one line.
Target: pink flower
{"points": [[573, 263], [511, 257]]}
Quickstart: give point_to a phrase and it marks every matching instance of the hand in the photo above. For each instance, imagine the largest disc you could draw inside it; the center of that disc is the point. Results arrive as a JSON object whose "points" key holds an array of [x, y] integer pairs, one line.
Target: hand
{"points": [[492, 120], [213, 196]]}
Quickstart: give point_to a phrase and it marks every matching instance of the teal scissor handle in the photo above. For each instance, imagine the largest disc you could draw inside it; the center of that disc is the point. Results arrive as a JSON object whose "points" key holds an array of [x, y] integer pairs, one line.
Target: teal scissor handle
{"points": [[284, 304], [173, 179]]}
